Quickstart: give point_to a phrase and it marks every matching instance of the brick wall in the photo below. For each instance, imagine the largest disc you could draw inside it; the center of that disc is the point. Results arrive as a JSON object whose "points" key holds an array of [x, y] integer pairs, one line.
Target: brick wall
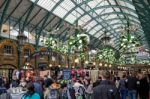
{"points": [[13, 59]]}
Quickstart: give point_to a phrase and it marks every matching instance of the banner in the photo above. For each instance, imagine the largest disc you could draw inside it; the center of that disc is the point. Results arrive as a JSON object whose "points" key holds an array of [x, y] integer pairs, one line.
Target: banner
{"points": [[66, 74]]}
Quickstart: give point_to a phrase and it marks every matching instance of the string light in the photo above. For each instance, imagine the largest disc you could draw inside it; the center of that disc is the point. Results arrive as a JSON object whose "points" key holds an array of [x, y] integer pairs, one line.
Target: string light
{"points": [[110, 66], [94, 63], [50, 65], [100, 64], [86, 62], [76, 60], [59, 65]]}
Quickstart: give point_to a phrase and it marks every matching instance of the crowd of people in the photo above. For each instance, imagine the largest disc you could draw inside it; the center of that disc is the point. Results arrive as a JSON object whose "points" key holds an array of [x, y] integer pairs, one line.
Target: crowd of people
{"points": [[133, 85]]}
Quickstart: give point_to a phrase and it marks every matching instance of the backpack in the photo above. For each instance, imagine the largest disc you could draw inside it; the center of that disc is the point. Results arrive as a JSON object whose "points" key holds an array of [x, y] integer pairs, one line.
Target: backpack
{"points": [[81, 92], [53, 94]]}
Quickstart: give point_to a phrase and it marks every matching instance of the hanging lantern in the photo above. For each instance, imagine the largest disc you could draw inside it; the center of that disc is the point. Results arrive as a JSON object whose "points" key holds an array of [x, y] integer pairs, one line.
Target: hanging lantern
{"points": [[21, 38], [105, 39]]}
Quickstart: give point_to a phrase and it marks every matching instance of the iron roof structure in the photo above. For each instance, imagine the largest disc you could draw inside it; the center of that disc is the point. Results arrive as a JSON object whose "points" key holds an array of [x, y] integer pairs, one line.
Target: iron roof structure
{"points": [[41, 16]]}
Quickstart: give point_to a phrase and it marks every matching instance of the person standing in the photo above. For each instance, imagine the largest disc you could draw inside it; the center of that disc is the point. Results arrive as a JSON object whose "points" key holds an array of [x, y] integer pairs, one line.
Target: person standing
{"points": [[38, 87], [79, 90], [122, 87], [14, 82], [106, 89], [89, 91], [30, 94], [143, 88], [47, 81], [132, 83]]}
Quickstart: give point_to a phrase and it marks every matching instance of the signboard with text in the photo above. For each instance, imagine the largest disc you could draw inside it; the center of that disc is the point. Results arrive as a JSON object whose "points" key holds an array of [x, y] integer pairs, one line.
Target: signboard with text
{"points": [[66, 74]]}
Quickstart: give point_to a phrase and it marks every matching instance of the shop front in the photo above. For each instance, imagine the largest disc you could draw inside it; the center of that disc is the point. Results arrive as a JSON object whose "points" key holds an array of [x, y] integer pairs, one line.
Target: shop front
{"points": [[7, 71]]}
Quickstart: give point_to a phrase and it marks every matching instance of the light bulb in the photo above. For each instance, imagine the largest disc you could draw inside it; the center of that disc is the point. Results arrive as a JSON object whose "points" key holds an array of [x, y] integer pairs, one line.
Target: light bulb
{"points": [[94, 63], [80, 41], [50, 65], [100, 64], [76, 60], [110, 65], [86, 62]]}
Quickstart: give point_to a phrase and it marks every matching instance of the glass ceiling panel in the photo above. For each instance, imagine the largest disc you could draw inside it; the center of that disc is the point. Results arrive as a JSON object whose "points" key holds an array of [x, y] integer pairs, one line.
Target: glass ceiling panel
{"points": [[94, 3], [98, 34], [60, 12], [112, 2], [79, 10], [115, 21], [129, 12], [123, 3], [75, 13], [88, 27], [103, 3], [108, 10], [92, 23], [47, 4], [71, 18], [121, 16], [88, 21], [67, 5], [117, 9], [96, 28], [63, 8], [81, 22], [92, 31], [111, 16], [117, 25], [99, 10], [86, 18], [131, 18]]}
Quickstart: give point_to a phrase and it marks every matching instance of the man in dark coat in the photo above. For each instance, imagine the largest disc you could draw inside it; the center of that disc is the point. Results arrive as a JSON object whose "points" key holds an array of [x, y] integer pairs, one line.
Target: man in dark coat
{"points": [[132, 84], [106, 89], [47, 81], [144, 88]]}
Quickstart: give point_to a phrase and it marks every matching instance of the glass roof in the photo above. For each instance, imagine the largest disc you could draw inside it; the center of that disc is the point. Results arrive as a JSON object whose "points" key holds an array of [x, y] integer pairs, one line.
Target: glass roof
{"points": [[94, 15]]}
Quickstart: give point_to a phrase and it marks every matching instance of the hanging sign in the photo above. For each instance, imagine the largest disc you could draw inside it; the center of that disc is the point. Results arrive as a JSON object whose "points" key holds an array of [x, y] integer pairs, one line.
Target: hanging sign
{"points": [[66, 74]]}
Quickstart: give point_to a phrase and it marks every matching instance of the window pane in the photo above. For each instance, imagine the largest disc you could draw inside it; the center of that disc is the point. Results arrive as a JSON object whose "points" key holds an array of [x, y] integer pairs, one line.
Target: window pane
{"points": [[8, 49], [27, 52]]}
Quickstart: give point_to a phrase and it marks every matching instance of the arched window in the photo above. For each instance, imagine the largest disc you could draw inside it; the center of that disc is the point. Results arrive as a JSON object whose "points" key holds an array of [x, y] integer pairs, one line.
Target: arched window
{"points": [[8, 50]]}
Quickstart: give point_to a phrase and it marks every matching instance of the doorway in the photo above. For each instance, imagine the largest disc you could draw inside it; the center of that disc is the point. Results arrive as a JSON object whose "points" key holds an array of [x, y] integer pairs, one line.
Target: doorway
{"points": [[7, 71]]}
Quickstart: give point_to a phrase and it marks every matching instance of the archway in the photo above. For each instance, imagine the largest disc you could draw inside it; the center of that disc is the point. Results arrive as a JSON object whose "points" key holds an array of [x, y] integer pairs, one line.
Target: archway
{"points": [[6, 70]]}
